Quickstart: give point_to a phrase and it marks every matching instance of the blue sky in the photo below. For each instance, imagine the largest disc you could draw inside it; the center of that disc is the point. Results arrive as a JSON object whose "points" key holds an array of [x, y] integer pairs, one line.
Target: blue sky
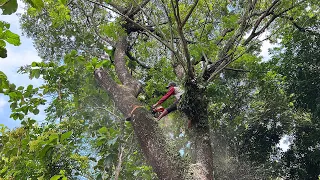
{"points": [[17, 57]]}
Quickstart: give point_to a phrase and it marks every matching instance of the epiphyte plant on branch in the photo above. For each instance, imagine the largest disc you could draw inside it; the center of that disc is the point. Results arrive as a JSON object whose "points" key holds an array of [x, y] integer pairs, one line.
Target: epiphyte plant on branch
{"points": [[198, 38]]}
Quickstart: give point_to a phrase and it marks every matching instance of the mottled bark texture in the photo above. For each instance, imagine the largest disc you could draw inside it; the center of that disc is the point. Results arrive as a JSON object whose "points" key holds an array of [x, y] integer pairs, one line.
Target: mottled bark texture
{"points": [[121, 69], [165, 163], [194, 104]]}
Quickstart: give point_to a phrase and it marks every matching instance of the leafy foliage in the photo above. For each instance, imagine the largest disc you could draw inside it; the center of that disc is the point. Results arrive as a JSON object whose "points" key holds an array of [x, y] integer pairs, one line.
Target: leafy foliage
{"points": [[298, 62], [7, 36], [249, 110]]}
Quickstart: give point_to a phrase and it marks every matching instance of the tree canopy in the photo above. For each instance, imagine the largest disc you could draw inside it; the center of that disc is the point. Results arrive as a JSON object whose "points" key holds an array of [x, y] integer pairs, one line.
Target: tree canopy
{"points": [[106, 60]]}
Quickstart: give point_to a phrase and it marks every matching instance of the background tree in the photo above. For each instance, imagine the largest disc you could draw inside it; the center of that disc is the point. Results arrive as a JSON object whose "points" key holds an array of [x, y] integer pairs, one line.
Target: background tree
{"points": [[298, 61]]}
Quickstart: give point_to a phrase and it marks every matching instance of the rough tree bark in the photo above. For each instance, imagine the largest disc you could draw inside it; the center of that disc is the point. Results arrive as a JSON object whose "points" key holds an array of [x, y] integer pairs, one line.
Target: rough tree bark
{"points": [[152, 142]]}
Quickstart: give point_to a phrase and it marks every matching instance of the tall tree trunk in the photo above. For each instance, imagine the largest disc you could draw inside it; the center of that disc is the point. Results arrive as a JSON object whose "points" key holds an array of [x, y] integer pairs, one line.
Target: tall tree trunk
{"points": [[166, 164], [194, 105]]}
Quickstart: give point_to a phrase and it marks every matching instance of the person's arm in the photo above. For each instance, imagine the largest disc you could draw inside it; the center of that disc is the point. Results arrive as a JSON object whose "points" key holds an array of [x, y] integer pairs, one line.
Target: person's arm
{"points": [[166, 96]]}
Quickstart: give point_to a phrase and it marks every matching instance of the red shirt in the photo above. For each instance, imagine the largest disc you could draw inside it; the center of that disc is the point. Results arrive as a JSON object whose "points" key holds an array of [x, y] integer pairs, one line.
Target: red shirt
{"points": [[166, 96]]}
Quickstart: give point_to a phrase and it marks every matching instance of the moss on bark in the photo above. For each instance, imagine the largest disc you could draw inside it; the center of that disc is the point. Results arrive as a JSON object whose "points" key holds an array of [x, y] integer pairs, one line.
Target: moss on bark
{"points": [[194, 103]]}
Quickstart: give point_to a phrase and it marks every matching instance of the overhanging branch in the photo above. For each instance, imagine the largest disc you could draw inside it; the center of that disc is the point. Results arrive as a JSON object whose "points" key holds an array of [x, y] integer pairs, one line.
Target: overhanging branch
{"points": [[139, 25], [129, 55]]}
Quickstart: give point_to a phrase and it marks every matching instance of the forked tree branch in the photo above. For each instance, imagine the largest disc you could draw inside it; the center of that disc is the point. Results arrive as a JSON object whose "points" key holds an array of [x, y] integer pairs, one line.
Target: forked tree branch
{"points": [[226, 61], [139, 25], [180, 25], [189, 13]]}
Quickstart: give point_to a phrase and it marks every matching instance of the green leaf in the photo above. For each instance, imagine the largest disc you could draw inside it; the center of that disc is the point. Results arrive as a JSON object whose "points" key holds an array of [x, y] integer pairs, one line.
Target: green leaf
{"points": [[9, 7], [13, 95], [99, 177], [44, 150], [103, 130], [4, 25], [14, 116], [12, 87], [66, 135], [36, 111], [34, 64], [30, 87], [56, 177], [53, 137], [38, 4], [35, 73], [21, 116], [3, 52], [11, 38], [24, 109], [13, 105], [20, 88], [4, 170], [64, 2], [2, 43], [101, 140]]}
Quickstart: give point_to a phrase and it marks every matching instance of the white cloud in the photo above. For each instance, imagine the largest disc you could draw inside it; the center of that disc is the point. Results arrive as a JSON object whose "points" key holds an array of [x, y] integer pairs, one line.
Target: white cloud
{"points": [[285, 142], [17, 56], [3, 104], [266, 45]]}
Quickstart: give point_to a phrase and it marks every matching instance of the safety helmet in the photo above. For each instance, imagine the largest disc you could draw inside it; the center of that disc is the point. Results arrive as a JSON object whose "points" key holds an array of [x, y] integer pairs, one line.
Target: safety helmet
{"points": [[171, 84]]}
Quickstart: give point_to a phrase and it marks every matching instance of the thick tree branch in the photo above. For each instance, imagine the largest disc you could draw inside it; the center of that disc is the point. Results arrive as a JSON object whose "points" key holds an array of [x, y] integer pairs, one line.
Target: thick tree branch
{"points": [[236, 70], [139, 25], [258, 22], [121, 69], [227, 58], [269, 11], [176, 13], [300, 28]]}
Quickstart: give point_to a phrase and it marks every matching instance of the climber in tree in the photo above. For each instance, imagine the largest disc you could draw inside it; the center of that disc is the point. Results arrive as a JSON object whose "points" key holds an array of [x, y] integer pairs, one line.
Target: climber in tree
{"points": [[172, 90]]}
